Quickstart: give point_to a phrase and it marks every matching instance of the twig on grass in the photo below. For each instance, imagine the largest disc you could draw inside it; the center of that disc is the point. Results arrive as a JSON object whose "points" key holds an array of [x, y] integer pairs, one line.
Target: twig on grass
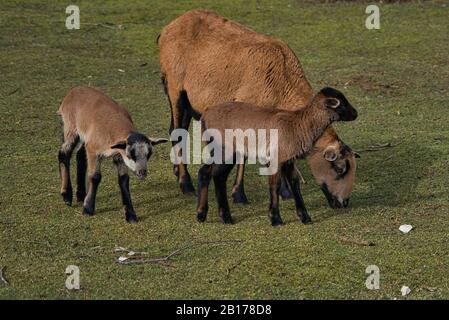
{"points": [[378, 147], [2, 278], [108, 25], [303, 181], [14, 91], [357, 242], [34, 241], [136, 257], [230, 269]]}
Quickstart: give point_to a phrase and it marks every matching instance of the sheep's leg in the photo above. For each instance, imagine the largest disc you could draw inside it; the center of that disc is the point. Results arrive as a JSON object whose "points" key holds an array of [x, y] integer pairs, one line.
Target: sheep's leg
{"points": [[238, 190], [65, 153], [274, 182], [185, 181], [181, 118], [204, 176], [123, 181], [81, 166], [220, 174], [174, 122], [285, 189], [294, 179], [93, 180]]}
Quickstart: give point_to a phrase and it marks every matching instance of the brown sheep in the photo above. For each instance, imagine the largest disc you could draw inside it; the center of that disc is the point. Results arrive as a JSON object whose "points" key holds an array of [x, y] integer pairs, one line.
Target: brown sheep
{"points": [[207, 60], [297, 132], [102, 128]]}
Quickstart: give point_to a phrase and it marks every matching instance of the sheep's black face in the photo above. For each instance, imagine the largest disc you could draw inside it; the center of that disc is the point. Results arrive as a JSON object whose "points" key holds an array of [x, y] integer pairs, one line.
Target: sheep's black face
{"points": [[138, 154], [336, 101], [138, 150]]}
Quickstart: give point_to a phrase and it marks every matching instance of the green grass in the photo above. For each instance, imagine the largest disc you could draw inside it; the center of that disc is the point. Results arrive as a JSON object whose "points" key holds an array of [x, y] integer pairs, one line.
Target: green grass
{"points": [[397, 77]]}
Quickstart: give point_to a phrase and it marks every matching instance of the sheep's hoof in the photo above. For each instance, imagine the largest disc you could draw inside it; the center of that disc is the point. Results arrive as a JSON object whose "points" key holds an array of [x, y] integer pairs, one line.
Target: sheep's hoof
{"points": [[201, 216], [187, 187], [226, 217], [240, 198], [88, 211], [131, 219], [276, 222], [307, 220], [67, 197], [228, 220], [80, 196]]}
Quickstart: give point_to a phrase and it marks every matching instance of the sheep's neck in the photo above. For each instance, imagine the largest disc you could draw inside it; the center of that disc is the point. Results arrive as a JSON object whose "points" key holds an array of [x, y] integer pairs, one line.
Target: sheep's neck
{"points": [[295, 98], [297, 89], [310, 123]]}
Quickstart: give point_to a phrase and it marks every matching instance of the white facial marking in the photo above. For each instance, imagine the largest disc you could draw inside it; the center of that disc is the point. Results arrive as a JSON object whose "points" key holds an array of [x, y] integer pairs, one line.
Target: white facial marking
{"points": [[142, 148], [130, 163]]}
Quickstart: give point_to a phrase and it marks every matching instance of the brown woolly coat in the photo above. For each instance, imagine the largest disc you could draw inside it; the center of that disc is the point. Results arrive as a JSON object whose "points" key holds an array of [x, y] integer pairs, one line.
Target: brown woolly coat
{"points": [[297, 130], [201, 39], [97, 119]]}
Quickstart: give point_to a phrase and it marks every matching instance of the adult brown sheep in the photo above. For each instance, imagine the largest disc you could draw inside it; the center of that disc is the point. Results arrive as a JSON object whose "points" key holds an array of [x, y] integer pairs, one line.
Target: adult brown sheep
{"points": [[207, 60]]}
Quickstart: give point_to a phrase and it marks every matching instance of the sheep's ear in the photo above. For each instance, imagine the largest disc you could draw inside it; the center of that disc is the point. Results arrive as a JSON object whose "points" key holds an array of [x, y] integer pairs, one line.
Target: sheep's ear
{"points": [[119, 145], [332, 103], [330, 154], [155, 141], [357, 155]]}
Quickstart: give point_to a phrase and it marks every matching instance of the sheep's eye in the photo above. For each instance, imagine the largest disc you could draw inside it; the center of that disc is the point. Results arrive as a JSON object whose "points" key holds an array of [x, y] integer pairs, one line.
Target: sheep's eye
{"points": [[342, 171], [133, 154]]}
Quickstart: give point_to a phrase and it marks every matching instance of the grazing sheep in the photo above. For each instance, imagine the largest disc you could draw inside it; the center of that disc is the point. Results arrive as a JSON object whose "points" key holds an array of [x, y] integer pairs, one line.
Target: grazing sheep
{"points": [[103, 129], [207, 60], [297, 132]]}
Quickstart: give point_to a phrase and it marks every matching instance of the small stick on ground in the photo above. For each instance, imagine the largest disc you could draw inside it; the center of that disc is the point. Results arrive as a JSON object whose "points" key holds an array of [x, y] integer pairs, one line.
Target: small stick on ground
{"points": [[378, 147], [303, 181], [34, 241], [230, 269], [14, 91], [357, 242], [136, 259], [2, 278]]}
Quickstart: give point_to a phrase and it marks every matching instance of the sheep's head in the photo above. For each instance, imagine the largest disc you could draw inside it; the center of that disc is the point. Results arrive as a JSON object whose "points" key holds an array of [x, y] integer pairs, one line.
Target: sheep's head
{"points": [[335, 100], [333, 165], [137, 150]]}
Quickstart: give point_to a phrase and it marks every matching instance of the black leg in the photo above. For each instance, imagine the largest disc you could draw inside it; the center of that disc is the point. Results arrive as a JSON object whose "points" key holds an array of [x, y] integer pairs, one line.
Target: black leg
{"points": [[238, 190], [294, 179], [93, 179], [64, 172], [123, 181], [204, 176], [81, 165], [220, 174], [89, 200], [285, 189], [64, 155], [274, 182], [184, 118]]}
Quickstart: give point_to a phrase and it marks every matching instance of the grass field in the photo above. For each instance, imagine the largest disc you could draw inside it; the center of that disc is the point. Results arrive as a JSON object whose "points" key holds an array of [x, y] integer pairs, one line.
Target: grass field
{"points": [[397, 77]]}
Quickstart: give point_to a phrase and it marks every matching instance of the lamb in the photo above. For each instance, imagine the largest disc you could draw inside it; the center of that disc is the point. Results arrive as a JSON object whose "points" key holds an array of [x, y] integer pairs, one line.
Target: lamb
{"points": [[101, 128], [207, 60], [297, 132]]}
